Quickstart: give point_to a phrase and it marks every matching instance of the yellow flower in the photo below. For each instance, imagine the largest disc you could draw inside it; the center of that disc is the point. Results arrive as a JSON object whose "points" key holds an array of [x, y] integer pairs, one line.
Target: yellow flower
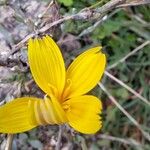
{"points": [[64, 101]]}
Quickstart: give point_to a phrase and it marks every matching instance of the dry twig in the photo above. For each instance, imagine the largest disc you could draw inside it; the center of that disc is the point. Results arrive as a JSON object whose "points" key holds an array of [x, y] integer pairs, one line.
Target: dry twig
{"points": [[58, 145], [127, 87], [131, 142], [9, 142], [84, 14], [145, 134], [128, 55], [134, 3]]}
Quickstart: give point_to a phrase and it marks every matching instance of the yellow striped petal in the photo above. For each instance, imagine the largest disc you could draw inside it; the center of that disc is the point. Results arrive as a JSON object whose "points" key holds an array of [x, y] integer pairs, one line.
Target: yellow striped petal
{"points": [[47, 65], [47, 111], [23, 114], [14, 116], [40, 114], [83, 113], [85, 72]]}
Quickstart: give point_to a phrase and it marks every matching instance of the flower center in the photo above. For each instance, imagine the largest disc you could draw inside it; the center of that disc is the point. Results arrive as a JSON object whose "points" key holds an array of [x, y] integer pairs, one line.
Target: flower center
{"points": [[66, 107]]}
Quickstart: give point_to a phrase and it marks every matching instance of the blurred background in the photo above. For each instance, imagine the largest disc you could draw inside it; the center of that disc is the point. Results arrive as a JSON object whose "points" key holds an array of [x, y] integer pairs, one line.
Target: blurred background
{"points": [[124, 33]]}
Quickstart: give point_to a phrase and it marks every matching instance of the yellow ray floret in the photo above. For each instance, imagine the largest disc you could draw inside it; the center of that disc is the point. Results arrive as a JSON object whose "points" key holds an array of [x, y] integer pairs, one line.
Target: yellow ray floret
{"points": [[14, 116], [85, 71], [23, 114], [83, 113], [47, 65], [65, 101]]}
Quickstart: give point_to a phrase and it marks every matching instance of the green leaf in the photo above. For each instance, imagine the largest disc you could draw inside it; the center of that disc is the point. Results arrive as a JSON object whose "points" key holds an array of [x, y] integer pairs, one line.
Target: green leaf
{"points": [[66, 2]]}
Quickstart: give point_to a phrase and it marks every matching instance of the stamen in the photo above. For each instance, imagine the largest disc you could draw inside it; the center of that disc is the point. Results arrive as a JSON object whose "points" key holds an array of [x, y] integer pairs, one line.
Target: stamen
{"points": [[54, 91], [66, 107], [67, 89]]}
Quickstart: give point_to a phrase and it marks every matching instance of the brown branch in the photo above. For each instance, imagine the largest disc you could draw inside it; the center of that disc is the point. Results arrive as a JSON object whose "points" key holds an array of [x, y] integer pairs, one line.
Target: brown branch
{"points": [[9, 62], [16, 47], [84, 14], [109, 6], [134, 3]]}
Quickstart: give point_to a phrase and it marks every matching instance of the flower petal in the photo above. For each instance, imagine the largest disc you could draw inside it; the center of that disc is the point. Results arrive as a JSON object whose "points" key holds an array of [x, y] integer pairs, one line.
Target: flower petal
{"points": [[23, 114], [85, 72], [83, 113], [14, 116], [47, 65], [47, 111]]}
